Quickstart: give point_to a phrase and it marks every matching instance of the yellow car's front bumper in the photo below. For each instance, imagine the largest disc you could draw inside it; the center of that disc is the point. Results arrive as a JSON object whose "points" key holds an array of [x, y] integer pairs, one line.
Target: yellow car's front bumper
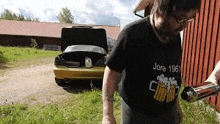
{"points": [[94, 73]]}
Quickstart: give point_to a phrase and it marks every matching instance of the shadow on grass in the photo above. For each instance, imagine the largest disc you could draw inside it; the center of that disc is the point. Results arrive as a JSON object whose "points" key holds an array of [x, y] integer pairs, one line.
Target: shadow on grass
{"points": [[81, 86], [3, 61], [3, 66]]}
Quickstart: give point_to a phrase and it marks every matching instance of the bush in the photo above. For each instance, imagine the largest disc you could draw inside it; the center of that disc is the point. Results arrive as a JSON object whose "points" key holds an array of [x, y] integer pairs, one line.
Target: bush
{"points": [[34, 43]]}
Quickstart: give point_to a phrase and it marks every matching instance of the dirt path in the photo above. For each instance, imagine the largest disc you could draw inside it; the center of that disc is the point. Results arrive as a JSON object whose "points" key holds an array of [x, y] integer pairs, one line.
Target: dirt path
{"points": [[31, 84]]}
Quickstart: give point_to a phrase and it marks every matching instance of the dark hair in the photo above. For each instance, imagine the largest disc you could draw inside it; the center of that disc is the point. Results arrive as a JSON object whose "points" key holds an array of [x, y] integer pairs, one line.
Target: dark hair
{"points": [[165, 7]]}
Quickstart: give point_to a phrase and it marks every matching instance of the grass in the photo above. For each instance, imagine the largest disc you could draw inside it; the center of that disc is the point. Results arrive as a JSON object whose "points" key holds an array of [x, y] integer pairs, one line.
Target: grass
{"points": [[78, 108], [198, 112], [12, 54], [86, 108], [11, 57], [81, 108]]}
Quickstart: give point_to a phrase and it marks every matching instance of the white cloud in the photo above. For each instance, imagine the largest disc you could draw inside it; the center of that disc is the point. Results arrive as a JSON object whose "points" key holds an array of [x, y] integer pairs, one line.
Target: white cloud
{"points": [[84, 11]]}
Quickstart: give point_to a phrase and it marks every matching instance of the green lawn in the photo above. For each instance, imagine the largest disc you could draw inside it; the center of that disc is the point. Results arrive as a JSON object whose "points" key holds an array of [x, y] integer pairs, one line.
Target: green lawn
{"points": [[86, 108], [11, 54], [79, 108]]}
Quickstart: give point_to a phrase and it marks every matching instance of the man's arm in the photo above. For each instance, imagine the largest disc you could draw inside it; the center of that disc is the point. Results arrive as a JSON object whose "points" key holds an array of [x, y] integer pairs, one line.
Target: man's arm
{"points": [[110, 80], [215, 75]]}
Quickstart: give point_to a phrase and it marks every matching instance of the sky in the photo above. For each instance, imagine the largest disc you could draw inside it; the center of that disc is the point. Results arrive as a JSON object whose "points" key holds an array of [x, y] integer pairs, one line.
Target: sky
{"points": [[98, 12]]}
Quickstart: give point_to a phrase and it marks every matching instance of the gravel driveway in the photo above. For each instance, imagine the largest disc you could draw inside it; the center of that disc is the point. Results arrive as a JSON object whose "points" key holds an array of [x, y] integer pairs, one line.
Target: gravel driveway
{"points": [[32, 84]]}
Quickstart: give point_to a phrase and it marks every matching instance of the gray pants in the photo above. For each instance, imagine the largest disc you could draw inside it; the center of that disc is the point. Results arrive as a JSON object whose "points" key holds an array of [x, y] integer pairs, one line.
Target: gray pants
{"points": [[130, 116]]}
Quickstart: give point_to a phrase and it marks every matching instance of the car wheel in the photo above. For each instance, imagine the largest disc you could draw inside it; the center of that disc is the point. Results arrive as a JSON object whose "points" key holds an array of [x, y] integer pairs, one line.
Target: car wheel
{"points": [[60, 82]]}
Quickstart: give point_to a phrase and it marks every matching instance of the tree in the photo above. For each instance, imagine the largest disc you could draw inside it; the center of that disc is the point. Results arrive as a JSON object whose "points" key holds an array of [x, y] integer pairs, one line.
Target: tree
{"points": [[65, 16], [8, 15], [20, 18]]}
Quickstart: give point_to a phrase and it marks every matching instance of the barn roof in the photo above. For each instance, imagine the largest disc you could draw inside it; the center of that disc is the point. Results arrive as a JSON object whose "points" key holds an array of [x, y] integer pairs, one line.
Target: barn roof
{"points": [[46, 29]]}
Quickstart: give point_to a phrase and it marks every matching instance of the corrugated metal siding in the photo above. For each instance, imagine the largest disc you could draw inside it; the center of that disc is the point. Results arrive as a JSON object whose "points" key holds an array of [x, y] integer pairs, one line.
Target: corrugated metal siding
{"points": [[201, 46]]}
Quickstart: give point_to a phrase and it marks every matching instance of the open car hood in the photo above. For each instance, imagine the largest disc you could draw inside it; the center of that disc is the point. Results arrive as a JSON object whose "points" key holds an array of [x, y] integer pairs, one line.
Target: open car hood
{"points": [[83, 36]]}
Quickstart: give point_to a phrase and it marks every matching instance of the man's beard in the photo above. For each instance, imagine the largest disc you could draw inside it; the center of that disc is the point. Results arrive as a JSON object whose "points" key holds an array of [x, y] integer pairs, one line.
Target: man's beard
{"points": [[164, 30]]}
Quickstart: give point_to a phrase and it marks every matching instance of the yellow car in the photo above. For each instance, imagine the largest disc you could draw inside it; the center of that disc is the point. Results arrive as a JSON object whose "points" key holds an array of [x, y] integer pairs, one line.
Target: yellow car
{"points": [[83, 56]]}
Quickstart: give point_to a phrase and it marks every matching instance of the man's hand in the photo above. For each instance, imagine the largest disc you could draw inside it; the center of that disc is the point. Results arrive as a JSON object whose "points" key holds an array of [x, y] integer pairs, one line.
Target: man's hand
{"points": [[108, 119], [215, 75]]}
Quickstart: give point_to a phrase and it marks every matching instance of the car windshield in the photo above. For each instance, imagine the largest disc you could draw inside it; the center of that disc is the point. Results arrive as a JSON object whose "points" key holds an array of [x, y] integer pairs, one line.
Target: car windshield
{"points": [[88, 48]]}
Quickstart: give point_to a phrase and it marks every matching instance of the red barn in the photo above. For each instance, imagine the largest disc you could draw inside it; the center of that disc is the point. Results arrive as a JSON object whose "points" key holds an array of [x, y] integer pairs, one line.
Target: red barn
{"points": [[21, 33]]}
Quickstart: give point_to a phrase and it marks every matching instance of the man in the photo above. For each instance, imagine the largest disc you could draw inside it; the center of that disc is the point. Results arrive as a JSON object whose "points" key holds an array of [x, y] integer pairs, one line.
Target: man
{"points": [[148, 51]]}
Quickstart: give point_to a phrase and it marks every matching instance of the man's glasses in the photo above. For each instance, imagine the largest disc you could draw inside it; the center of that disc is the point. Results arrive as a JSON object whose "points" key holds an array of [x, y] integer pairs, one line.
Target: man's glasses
{"points": [[182, 20]]}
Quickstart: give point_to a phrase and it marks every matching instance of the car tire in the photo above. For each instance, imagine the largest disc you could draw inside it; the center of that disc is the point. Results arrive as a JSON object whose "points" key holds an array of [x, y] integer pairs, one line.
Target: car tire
{"points": [[60, 82]]}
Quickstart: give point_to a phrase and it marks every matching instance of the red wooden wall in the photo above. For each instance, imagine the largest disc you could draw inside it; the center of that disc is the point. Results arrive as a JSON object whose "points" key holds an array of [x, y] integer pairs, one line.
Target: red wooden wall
{"points": [[201, 46]]}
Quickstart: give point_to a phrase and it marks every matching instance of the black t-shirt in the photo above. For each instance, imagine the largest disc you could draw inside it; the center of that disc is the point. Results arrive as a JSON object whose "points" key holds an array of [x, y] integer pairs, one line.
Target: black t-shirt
{"points": [[151, 69]]}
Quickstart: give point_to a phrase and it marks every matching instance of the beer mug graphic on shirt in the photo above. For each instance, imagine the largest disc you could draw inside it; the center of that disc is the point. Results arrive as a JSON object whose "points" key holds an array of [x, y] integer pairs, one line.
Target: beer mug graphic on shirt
{"points": [[165, 90], [171, 94]]}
